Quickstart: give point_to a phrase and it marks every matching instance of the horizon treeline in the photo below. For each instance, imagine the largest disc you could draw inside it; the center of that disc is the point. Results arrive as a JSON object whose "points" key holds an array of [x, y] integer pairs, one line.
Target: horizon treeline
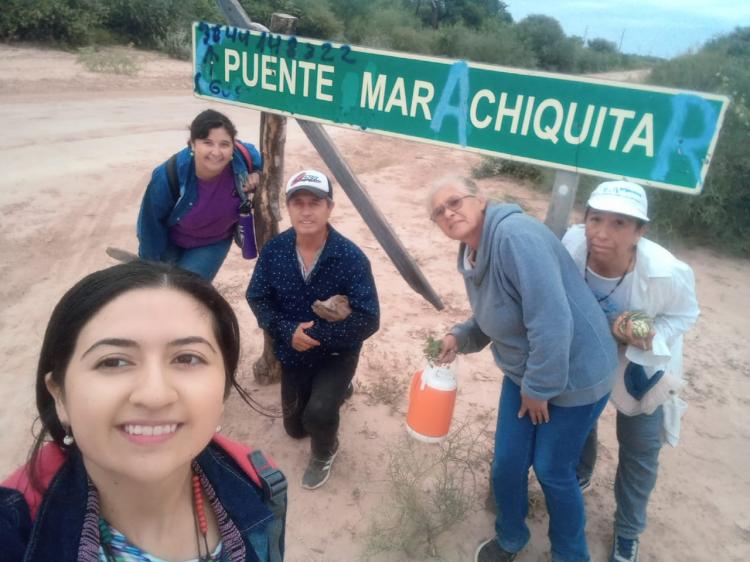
{"points": [[477, 30]]}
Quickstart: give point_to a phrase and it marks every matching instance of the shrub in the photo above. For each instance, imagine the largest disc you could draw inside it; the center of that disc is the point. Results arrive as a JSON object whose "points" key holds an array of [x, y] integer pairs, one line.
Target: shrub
{"points": [[496, 43], [387, 389], [109, 60], [317, 19], [432, 487], [491, 166], [160, 24], [177, 44], [391, 28], [144, 22], [70, 22]]}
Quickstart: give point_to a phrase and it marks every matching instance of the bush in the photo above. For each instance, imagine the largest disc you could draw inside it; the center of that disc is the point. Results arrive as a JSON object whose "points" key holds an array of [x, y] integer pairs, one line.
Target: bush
{"points": [[177, 44], [544, 36], [114, 61], [391, 28], [318, 20], [495, 44], [432, 488], [68, 22], [144, 22], [491, 166]]}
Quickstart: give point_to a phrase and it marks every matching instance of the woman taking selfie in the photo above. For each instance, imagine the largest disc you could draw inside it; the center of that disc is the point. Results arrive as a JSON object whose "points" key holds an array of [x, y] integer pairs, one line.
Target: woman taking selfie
{"points": [[136, 365]]}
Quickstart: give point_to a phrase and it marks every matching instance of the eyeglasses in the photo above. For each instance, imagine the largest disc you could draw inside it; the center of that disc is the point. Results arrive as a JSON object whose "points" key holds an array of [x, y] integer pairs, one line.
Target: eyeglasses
{"points": [[452, 204]]}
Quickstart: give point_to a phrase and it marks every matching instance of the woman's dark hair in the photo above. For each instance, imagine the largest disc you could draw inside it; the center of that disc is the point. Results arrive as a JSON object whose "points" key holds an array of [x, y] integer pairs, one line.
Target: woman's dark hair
{"points": [[210, 119], [87, 297]]}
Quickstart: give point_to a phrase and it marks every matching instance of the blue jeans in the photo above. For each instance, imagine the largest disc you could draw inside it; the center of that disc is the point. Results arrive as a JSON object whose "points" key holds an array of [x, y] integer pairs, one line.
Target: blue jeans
{"points": [[203, 260], [640, 440], [587, 462], [553, 450]]}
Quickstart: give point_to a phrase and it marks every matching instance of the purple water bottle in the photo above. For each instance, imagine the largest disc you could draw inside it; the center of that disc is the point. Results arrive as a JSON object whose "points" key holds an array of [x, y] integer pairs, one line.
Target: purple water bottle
{"points": [[247, 229]]}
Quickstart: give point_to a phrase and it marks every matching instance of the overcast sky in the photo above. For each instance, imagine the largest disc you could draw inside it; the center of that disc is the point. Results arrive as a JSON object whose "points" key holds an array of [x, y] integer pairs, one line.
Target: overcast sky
{"points": [[663, 28]]}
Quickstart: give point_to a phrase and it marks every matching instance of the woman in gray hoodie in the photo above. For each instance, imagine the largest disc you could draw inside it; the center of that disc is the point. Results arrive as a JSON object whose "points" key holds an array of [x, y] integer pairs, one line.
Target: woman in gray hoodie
{"points": [[551, 340]]}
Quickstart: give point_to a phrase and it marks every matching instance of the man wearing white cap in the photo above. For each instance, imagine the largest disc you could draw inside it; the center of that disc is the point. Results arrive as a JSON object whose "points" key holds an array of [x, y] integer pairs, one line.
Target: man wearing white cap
{"points": [[318, 350], [649, 297]]}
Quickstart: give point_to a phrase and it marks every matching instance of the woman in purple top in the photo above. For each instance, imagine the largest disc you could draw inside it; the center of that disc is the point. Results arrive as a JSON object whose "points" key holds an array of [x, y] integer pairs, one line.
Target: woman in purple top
{"points": [[189, 219]]}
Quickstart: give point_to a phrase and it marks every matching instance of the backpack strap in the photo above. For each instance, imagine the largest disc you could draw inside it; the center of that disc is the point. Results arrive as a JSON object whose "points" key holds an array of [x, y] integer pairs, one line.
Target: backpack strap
{"points": [[245, 155], [266, 475], [174, 183], [274, 492], [48, 463]]}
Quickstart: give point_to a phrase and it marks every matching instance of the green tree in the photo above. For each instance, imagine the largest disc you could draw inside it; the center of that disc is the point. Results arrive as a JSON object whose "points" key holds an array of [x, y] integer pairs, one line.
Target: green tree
{"points": [[70, 22], [600, 45], [545, 37], [471, 13]]}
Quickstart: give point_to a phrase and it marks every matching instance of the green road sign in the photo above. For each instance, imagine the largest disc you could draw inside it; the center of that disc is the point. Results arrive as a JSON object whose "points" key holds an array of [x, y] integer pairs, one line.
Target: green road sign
{"points": [[655, 136]]}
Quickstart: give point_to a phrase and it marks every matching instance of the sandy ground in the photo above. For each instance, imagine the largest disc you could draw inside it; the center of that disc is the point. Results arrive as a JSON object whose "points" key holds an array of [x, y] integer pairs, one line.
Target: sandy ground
{"points": [[76, 150]]}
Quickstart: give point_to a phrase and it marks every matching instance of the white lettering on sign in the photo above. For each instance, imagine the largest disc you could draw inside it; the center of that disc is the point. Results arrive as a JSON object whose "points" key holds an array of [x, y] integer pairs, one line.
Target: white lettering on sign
{"points": [[324, 81], [288, 77], [549, 118], [400, 97], [373, 95], [514, 113], [397, 97], [620, 115], [570, 121], [548, 133], [645, 128], [475, 120], [267, 73], [280, 74], [307, 67], [421, 99]]}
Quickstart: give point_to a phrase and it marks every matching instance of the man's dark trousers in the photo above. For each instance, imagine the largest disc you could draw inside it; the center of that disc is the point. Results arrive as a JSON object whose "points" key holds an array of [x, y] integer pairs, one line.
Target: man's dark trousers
{"points": [[312, 396]]}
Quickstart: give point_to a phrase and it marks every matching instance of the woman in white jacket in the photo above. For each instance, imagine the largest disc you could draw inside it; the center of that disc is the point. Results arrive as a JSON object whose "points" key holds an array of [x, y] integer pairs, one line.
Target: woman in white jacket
{"points": [[629, 273]]}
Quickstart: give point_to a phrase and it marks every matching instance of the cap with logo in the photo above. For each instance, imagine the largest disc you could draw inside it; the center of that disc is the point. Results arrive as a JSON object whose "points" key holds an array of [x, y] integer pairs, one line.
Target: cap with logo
{"points": [[313, 181], [622, 197]]}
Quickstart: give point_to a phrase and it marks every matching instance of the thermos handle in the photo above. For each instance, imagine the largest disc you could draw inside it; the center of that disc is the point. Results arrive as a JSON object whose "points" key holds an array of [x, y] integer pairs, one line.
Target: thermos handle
{"points": [[422, 381]]}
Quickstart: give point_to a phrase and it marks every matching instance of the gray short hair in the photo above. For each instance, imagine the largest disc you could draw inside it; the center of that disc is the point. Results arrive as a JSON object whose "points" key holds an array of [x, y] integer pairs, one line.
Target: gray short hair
{"points": [[467, 185]]}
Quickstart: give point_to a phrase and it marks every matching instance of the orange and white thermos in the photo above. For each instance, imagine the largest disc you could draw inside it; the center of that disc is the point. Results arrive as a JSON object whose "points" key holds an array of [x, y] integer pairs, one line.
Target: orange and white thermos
{"points": [[432, 397]]}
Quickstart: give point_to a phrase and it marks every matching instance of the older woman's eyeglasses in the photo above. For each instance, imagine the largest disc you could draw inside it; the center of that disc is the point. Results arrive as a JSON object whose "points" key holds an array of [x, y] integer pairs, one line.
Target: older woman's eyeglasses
{"points": [[451, 204]]}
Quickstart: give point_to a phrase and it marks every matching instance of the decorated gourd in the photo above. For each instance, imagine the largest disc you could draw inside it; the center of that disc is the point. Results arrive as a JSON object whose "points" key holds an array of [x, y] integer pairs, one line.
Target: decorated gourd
{"points": [[641, 324]]}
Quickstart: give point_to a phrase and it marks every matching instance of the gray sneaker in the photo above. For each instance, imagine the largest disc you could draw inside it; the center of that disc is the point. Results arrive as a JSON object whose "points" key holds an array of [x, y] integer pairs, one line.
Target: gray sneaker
{"points": [[317, 472], [491, 551], [624, 550]]}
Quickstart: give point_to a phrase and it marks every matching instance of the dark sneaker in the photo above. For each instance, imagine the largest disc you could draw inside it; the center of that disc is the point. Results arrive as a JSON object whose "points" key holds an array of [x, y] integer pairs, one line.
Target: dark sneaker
{"points": [[349, 391], [317, 472], [624, 550], [584, 484], [491, 551]]}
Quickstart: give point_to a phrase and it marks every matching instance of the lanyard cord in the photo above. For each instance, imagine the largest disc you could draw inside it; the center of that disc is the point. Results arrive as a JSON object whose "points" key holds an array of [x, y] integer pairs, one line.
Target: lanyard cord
{"points": [[619, 281]]}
